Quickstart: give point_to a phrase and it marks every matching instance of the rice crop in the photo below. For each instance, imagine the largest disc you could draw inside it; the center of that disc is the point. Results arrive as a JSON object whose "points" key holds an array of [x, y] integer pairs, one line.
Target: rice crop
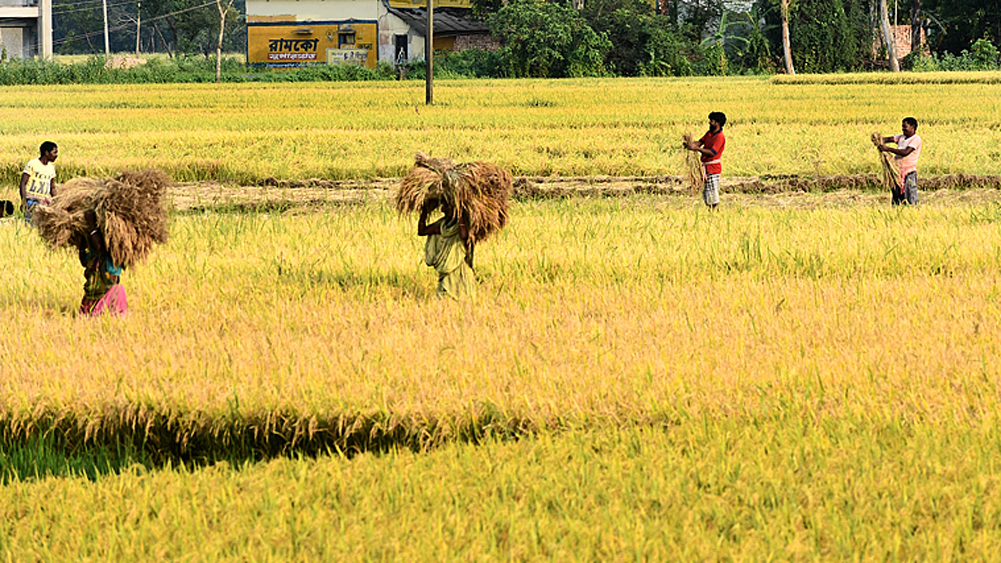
{"points": [[791, 381], [253, 329], [478, 191], [967, 77], [694, 171], [128, 209], [256, 133], [785, 488], [889, 170], [807, 374]]}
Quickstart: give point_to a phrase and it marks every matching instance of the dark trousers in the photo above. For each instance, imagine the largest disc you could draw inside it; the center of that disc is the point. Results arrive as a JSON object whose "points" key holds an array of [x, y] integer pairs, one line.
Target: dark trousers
{"points": [[908, 193]]}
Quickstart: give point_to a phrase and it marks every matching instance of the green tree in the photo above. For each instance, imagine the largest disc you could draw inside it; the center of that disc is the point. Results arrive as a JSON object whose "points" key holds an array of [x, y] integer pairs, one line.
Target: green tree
{"points": [[548, 40], [824, 35], [957, 24], [185, 25], [643, 42]]}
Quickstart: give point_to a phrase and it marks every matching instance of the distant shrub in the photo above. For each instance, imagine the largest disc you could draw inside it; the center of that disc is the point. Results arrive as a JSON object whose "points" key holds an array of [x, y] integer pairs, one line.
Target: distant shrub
{"points": [[982, 55], [181, 69]]}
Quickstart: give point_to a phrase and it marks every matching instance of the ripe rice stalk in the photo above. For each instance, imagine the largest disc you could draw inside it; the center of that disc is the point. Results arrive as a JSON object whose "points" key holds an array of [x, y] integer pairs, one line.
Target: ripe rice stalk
{"points": [[889, 176], [129, 211], [694, 170], [479, 191]]}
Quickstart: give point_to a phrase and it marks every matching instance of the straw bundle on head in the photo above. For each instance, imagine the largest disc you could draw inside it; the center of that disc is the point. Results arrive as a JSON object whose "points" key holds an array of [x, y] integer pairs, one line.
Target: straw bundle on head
{"points": [[694, 170], [129, 211], [479, 191], [889, 172]]}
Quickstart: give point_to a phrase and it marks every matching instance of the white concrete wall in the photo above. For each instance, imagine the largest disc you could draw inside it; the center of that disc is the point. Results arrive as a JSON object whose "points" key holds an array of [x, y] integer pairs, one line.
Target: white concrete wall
{"points": [[27, 23], [389, 27], [13, 42]]}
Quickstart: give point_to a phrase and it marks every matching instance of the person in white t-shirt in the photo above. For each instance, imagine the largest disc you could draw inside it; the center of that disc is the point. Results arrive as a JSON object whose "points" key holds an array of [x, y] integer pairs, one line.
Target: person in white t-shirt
{"points": [[907, 152], [38, 182]]}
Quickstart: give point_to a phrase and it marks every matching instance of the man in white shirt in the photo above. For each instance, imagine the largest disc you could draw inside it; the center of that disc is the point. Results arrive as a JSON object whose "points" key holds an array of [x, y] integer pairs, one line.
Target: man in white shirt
{"points": [[907, 152], [38, 182]]}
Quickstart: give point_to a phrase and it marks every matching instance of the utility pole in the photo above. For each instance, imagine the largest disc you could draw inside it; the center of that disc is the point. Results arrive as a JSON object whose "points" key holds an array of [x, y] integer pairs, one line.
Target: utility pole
{"points": [[429, 55], [139, 18], [45, 29], [107, 47]]}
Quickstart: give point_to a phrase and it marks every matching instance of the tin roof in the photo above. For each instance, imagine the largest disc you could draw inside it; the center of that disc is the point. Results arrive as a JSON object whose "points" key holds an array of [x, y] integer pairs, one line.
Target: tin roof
{"points": [[446, 22]]}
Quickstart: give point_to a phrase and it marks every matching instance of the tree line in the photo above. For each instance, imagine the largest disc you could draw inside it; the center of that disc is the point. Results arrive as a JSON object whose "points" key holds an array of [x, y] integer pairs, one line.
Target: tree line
{"points": [[560, 38], [707, 37], [164, 26]]}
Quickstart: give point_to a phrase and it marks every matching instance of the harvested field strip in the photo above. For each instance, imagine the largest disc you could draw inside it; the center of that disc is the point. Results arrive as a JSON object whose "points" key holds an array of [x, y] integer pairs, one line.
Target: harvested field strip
{"points": [[286, 195]]}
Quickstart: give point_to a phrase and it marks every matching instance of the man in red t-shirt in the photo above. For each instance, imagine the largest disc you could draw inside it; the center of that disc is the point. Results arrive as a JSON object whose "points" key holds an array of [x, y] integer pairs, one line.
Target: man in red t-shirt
{"points": [[711, 147]]}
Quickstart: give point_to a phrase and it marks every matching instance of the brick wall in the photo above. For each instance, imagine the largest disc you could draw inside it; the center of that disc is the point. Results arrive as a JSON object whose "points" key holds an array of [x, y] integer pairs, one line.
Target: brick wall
{"points": [[901, 39], [479, 41]]}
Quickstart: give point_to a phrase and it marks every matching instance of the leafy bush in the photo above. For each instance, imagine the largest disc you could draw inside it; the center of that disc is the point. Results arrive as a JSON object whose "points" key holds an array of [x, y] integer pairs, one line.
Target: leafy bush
{"points": [[644, 43], [982, 55], [471, 63], [544, 40], [190, 69]]}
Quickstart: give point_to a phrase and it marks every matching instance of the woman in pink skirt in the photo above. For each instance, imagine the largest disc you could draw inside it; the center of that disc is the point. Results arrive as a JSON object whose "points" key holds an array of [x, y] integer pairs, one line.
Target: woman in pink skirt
{"points": [[101, 291]]}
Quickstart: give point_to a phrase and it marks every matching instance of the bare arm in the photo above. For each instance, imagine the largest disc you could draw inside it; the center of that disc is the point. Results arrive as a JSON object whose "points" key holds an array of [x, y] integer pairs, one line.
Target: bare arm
{"points": [[93, 234], [464, 231], [423, 229], [696, 146], [52, 188], [899, 152], [22, 188]]}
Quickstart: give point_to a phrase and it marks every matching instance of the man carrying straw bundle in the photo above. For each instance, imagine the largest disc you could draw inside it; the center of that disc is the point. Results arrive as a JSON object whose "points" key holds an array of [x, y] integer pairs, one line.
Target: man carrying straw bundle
{"points": [[38, 181], [710, 147], [906, 154], [113, 223], [473, 198]]}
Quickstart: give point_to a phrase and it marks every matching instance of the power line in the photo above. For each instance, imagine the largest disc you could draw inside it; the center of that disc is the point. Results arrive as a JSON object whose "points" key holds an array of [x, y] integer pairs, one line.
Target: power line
{"points": [[95, 6], [129, 24]]}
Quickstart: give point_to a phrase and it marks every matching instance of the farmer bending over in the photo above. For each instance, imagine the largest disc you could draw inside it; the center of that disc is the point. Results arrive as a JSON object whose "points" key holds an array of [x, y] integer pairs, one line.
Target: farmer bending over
{"points": [[38, 181], [446, 249], [907, 152], [101, 291], [711, 147]]}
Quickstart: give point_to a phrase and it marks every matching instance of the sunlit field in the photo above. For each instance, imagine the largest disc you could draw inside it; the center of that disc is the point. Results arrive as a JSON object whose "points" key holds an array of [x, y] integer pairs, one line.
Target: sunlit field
{"points": [[764, 381], [799, 376]]}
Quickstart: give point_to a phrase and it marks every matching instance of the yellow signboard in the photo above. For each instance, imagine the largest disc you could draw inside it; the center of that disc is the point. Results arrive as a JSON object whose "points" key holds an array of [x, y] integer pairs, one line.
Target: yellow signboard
{"points": [[355, 57], [296, 44]]}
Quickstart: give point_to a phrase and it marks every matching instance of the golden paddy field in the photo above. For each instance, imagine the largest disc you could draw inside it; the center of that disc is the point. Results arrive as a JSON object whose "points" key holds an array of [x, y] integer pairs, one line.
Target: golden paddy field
{"points": [[797, 377]]}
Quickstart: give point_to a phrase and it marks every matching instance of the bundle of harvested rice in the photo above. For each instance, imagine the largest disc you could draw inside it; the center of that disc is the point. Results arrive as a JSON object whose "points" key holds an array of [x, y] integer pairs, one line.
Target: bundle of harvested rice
{"points": [[694, 170], [479, 191], [129, 211], [889, 176]]}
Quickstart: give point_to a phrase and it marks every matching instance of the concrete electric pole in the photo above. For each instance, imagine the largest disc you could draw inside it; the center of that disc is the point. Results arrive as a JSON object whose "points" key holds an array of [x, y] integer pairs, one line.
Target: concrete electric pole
{"points": [[429, 55]]}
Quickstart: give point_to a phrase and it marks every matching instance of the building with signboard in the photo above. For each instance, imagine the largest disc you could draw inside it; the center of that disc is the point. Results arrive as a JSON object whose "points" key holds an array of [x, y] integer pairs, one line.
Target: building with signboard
{"points": [[293, 33], [26, 28]]}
